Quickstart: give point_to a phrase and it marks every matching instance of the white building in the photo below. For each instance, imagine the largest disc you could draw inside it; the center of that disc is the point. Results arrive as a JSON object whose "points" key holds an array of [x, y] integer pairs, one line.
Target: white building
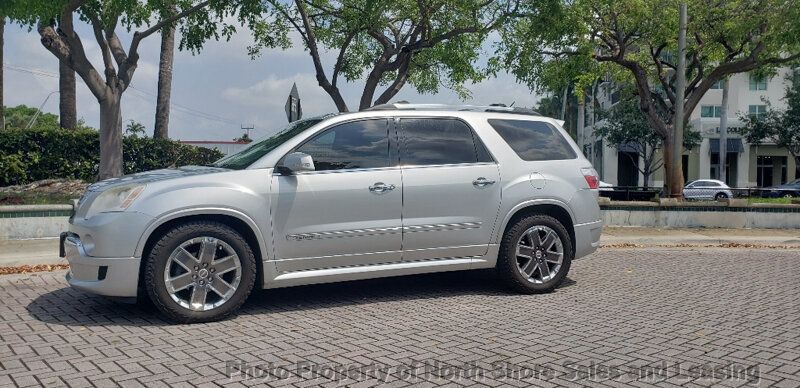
{"points": [[747, 165]]}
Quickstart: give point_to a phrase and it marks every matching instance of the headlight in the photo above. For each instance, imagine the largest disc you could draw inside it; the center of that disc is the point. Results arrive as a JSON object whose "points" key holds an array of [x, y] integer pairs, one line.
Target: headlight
{"points": [[115, 199]]}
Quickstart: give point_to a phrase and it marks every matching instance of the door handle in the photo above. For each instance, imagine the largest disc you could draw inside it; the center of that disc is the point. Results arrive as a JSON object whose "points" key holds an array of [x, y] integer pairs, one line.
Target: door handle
{"points": [[482, 182], [380, 187]]}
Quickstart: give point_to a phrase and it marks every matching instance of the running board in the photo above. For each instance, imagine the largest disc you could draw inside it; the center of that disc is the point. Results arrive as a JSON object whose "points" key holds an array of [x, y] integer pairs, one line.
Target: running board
{"points": [[342, 274]]}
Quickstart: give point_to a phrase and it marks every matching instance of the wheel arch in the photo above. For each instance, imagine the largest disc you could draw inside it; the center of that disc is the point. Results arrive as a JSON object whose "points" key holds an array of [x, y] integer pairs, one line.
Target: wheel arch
{"points": [[234, 219], [552, 208]]}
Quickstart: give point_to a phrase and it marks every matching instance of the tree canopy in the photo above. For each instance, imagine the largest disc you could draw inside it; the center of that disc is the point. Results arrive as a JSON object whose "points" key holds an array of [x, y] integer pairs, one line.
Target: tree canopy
{"points": [[425, 43]]}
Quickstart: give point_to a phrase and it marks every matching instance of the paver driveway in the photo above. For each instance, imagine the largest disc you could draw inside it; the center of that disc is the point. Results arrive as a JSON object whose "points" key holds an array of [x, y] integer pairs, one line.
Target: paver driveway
{"points": [[695, 316]]}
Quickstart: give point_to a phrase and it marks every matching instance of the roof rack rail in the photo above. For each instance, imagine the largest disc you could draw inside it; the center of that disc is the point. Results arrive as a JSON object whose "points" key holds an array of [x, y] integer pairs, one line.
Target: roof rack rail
{"points": [[497, 108]]}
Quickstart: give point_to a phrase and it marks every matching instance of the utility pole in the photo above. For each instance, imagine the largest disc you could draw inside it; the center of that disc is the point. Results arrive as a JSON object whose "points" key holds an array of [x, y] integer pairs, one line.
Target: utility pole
{"points": [[247, 128], [590, 135], [581, 121], [723, 131], [676, 178]]}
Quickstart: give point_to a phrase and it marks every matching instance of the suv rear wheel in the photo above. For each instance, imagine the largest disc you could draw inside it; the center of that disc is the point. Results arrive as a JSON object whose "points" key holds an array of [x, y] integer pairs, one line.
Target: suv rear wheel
{"points": [[199, 272], [535, 254]]}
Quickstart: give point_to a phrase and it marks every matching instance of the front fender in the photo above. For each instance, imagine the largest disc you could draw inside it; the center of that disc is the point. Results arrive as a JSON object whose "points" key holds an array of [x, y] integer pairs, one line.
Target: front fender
{"points": [[199, 211]]}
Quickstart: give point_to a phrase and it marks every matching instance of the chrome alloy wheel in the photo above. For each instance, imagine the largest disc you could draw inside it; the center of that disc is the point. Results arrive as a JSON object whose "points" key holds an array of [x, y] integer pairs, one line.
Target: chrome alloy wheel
{"points": [[540, 253], [202, 273]]}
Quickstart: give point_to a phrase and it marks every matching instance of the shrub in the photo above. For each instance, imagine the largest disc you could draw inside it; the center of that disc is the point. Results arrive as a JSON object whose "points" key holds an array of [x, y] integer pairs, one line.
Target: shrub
{"points": [[27, 156]]}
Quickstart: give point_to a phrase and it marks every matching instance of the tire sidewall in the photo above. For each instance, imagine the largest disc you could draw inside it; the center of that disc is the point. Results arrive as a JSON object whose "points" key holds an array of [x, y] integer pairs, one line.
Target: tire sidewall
{"points": [[507, 263], [159, 255]]}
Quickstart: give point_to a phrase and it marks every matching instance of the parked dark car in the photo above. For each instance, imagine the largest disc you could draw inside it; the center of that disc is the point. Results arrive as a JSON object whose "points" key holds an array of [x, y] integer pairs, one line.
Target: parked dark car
{"points": [[786, 190]]}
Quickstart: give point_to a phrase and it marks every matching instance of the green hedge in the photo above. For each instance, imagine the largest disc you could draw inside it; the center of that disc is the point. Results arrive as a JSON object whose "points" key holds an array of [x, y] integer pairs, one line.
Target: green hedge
{"points": [[31, 155]]}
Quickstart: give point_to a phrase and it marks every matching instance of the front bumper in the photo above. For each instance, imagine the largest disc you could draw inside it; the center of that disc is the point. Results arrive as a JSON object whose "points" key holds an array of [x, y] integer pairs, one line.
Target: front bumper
{"points": [[108, 276], [587, 238]]}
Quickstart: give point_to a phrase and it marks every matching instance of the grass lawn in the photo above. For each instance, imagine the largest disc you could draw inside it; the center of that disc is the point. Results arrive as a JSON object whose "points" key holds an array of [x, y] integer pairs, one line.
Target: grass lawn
{"points": [[769, 200], [34, 198]]}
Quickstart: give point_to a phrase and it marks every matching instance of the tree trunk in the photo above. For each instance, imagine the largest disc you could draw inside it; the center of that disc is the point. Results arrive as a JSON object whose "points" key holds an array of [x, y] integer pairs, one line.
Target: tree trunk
{"points": [[673, 180], [66, 96], [110, 136], [2, 107], [564, 103], [161, 130]]}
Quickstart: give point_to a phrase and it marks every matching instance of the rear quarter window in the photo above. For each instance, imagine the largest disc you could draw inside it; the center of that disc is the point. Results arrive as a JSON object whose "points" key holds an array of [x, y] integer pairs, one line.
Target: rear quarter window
{"points": [[533, 140]]}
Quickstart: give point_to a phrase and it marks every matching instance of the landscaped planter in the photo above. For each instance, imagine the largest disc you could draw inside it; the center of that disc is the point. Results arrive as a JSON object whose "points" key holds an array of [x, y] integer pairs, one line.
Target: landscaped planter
{"points": [[33, 221], [735, 214]]}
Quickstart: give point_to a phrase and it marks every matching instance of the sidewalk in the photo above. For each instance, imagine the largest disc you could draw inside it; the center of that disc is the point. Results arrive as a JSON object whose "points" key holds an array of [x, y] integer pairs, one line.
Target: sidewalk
{"points": [[45, 250]]}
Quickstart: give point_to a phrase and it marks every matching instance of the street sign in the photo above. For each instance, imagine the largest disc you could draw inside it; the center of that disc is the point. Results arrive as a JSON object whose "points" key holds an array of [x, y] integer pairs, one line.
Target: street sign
{"points": [[293, 110]]}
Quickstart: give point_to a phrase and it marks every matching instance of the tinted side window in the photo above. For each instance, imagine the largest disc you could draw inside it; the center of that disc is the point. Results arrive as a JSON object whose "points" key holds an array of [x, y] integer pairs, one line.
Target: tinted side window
{"points": [[436, 141], [358, 144], [533, 140]]}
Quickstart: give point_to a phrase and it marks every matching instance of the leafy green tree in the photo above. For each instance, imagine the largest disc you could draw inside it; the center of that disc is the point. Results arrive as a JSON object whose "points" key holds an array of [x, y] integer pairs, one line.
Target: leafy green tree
{"points": [[135, 129], [626, 125], [21, 115], [781, 127], [388, 44], [636, 41], [198, 21]]}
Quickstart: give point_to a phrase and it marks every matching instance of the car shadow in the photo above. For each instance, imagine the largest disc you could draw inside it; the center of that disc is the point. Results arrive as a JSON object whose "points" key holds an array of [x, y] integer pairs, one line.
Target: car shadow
{"points": [[66, 306]]}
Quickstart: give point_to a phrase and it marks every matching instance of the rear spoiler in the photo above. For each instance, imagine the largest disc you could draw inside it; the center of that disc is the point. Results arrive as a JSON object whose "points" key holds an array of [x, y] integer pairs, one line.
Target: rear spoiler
{"points": [[560, 122]]}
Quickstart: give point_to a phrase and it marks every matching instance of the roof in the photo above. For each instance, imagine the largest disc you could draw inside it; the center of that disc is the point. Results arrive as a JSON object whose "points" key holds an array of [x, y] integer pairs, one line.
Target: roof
{"points": [[498, 108]]}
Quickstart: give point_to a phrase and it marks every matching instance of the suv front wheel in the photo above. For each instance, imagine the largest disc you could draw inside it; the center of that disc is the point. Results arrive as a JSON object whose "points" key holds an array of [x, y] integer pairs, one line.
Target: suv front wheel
{"points": [[199, 272], [535, 254]]}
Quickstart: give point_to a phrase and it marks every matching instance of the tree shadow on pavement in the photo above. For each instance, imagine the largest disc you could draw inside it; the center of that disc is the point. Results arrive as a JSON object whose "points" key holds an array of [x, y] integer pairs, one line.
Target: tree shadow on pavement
{"points": [[66, 306]]}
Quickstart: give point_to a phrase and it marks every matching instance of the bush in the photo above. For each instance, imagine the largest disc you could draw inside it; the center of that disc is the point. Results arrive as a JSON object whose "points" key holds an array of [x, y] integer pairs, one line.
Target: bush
{"points": [[32, 155]]}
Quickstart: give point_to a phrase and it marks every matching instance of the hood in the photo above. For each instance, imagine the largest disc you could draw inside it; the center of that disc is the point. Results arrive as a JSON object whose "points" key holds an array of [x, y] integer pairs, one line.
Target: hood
{"points": [[154, 176]]}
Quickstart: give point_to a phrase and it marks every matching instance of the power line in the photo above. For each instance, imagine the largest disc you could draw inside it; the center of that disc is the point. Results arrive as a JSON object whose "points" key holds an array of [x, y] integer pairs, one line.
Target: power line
{"points": [[179, 108]]}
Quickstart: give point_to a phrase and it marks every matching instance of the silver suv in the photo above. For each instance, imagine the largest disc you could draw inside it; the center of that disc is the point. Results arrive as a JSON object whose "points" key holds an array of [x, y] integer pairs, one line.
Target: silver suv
{"points": [[396, 190]]}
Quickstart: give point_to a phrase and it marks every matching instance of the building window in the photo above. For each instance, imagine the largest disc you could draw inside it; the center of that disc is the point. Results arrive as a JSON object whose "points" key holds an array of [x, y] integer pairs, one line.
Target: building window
{"points": [[717, 85], [757, 111], [758, 82], [710, 111]]}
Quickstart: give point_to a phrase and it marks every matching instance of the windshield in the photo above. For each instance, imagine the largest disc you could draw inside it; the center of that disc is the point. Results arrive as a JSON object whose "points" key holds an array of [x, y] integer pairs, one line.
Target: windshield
{"points": [[259, 148]]}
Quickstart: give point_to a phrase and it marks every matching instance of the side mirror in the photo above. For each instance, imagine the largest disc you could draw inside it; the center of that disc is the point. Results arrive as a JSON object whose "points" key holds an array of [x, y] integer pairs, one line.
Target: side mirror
{"points": [[296, 162]]}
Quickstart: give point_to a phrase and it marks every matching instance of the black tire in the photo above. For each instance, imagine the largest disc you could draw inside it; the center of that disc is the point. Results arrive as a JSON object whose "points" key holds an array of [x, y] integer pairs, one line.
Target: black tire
{"points": [[172, 239], [720, 196], [507, 268]]}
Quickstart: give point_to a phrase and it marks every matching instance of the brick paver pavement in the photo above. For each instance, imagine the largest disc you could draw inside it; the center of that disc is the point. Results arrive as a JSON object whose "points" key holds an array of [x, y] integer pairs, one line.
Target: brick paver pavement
{"points": [[709, 315]]}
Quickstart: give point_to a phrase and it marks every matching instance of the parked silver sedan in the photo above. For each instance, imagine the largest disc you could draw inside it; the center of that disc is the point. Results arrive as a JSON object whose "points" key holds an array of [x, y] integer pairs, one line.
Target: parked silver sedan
{"points": [[707, 189], [396, 190]]}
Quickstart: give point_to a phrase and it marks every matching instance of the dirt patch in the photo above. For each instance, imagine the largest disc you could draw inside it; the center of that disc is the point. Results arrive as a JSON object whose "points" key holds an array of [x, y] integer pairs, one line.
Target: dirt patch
{"points": [[32, 268]]}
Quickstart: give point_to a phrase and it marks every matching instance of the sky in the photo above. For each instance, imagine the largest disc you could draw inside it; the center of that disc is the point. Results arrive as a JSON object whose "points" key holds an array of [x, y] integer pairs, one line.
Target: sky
{"points": [[216, 91]]}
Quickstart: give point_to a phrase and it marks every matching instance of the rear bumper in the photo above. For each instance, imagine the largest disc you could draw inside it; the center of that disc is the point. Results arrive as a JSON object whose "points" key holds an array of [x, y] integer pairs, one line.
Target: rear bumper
{"points": [[587, 238], [108, 276]]}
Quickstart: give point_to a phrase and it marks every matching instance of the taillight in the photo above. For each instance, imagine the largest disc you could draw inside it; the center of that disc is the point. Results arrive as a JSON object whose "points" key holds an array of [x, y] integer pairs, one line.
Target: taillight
{"points": [[591, 177]]}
